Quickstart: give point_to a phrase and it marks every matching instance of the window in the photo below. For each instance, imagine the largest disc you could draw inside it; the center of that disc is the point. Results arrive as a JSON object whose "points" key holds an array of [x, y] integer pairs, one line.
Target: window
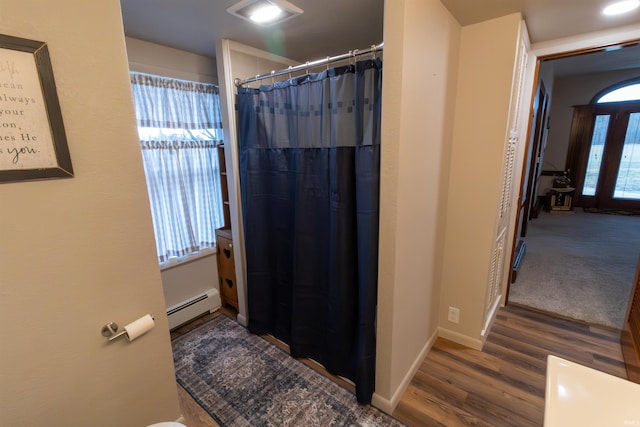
{"points": [[179, 125], [594, 161], [629, 92]]}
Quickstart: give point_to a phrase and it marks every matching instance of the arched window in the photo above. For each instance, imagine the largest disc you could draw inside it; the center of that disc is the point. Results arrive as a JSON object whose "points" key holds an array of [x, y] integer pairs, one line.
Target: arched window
{"points": [[626, 91]]}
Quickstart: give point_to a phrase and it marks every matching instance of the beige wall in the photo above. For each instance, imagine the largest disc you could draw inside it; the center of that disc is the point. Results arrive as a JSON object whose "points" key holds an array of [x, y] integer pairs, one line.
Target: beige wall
{"points": [[77, 253], [421, 56], [152, 58], [480, 130], [570, 91]]}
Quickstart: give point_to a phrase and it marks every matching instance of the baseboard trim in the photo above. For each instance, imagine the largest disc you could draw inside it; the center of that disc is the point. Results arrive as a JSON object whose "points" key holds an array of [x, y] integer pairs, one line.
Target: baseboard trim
{"points": [[385, 405], [490, 318], [465, 340], [242, 320], [389, 405]]}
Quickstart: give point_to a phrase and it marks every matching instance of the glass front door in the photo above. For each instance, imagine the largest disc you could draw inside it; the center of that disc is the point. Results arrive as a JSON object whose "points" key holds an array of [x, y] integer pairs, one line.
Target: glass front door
{"points": [[627, 184], [608, 174]]}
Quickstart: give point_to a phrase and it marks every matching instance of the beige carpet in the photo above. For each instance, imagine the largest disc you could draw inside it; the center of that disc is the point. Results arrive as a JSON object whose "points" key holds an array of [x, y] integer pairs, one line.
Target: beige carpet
{"points": [[579, 266]]}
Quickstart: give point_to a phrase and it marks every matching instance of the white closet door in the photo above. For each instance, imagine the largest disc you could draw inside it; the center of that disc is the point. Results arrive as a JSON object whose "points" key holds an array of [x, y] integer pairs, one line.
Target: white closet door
{"points": [[498, 270]]}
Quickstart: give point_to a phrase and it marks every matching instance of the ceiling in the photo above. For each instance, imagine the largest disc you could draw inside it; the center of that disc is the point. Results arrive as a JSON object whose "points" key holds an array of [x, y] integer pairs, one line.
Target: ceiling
{"points": [[546, 19], [326, 28], [332, 27]]}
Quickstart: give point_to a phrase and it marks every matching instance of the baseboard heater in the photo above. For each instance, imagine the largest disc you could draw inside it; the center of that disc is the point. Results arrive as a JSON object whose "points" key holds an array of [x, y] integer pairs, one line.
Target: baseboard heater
{"points": [[519, 254], [190, 309]]}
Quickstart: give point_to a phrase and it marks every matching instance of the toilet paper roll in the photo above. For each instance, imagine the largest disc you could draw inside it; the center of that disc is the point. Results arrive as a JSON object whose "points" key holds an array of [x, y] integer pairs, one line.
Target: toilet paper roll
{"points": [[139, 327]]}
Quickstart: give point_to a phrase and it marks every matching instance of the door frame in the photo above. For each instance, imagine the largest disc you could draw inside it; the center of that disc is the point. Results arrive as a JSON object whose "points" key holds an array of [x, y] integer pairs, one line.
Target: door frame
{"points": [[548, 51], [535, 157], [630, 335], [539, 108]]}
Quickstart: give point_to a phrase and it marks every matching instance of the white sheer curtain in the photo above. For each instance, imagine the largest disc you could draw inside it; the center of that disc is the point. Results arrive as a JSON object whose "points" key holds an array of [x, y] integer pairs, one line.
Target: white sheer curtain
{"points": [[180, 124]]}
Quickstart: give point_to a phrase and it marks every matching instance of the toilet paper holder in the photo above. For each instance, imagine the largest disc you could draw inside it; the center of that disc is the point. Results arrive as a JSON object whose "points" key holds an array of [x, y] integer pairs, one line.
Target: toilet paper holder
{"points": [[110, 330], [132, 331]]}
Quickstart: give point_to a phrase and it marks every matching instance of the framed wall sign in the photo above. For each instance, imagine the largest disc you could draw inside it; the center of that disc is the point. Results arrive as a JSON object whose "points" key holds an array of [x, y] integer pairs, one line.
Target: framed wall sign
{"points": [[33, 144]]}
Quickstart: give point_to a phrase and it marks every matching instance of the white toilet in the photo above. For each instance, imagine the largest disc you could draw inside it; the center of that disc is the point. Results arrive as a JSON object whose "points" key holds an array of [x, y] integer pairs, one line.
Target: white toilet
{"points": [[167, 424]]}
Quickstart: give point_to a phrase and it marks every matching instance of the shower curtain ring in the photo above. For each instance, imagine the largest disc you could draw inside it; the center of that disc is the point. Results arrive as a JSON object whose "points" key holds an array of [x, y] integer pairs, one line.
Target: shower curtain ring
{"points": [[373, 51], [272, 73], [306, 64], [328, 62], [290, 67]]}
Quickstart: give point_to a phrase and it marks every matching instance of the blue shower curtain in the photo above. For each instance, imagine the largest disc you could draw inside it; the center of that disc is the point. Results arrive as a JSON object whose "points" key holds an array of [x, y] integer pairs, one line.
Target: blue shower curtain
{"points": [[309, 171]]}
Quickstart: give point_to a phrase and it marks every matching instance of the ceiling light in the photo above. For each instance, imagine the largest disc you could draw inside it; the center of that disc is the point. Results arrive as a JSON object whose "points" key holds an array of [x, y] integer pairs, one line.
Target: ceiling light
{"points": [[264, 12], [621, 7]]}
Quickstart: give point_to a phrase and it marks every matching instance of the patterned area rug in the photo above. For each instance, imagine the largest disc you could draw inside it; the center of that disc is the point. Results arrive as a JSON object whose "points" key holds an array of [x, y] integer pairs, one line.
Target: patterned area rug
{"points": [[241, 379]]}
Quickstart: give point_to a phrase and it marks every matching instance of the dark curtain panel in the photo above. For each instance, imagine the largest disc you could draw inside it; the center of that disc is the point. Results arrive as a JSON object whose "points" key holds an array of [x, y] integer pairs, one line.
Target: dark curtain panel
{"points": [[309, 168]]}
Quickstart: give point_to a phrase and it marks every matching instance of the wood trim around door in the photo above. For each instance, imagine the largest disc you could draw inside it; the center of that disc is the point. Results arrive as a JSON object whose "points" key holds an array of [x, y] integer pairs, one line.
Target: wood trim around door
{"points": [[630, 335]]}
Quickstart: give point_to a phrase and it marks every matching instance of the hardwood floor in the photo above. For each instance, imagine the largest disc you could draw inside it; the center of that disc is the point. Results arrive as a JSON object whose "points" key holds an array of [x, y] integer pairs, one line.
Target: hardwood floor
{"points": [[194, 415], [503, 385]]}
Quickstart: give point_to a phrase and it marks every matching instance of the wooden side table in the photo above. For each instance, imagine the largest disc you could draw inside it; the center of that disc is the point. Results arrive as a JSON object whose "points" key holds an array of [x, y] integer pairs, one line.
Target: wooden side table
{"points": [[561, 200]]}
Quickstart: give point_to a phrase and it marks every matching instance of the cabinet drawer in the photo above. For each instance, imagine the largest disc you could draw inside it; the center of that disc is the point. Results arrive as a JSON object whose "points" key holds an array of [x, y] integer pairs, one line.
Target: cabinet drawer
{"points": [[226, 264], [228, 289]]}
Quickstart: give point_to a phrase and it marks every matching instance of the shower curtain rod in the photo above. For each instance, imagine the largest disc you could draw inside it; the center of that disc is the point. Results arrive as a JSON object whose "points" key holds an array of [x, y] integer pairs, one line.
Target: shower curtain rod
{"points": [[329, 59]]}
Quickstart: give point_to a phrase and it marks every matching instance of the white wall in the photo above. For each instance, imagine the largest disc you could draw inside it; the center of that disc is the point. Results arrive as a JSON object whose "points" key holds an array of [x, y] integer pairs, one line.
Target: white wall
{"points": [[185, 281], [487, 56], [570, 91], [79, 252], [419, 82], [546, 75]]}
